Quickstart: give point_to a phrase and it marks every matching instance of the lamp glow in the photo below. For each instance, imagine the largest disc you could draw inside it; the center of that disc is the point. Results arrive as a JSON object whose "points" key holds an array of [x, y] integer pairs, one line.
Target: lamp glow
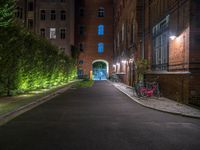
{"points": [[124, 61], [172, 37]]}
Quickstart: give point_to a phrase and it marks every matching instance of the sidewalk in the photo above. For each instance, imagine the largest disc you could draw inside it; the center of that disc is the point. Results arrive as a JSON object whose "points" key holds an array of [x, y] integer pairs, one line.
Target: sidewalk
{"points": [[10, 107], [161, 104]]}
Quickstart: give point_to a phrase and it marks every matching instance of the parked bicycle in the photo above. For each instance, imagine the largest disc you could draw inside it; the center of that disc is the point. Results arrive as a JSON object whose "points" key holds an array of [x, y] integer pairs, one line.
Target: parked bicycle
{"points": [[114, 78], [147, 89]]}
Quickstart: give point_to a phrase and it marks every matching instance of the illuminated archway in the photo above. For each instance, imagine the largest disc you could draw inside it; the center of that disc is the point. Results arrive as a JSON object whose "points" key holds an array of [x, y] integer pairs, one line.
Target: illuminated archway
{"points": [[100, 69]]}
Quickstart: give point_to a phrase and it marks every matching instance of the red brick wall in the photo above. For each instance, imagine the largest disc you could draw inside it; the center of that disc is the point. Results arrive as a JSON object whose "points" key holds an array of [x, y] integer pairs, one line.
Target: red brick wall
{"points": [[173, 86], [195, 53], [91, 38]]}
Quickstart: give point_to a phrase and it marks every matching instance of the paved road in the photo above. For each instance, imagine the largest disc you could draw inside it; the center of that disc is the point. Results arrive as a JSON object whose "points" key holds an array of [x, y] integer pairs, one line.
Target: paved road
{"points": [[98, 118]]}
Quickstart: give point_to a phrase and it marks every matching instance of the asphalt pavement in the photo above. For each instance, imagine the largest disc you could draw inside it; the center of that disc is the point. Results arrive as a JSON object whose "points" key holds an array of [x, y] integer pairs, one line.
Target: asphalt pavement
{"points": [[98, 118]]}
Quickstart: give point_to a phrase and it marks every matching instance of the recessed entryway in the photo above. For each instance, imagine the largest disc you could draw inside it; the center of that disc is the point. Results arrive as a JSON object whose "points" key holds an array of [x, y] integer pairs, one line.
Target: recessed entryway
{"points": [[100, 70]]}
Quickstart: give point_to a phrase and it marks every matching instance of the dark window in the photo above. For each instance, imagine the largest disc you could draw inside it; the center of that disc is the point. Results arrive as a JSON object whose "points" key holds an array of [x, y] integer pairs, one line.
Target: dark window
{"points": [[80, 62], [42, 15], [19, 13], [62, 50], [30, 6], [81, 48], [62, 33], [42, 32], [63, 15], [30, 23], [53, 15], [81, 12], [101, 12], [62, 1], [81, 30]]}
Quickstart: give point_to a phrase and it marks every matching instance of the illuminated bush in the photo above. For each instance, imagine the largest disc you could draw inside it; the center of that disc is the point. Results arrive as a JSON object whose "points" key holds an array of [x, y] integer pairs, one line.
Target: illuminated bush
{"points": [[28, 62]]}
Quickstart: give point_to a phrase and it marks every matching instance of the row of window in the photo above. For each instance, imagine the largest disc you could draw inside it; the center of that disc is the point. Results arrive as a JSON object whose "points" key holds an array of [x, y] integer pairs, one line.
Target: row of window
{"points": [[160, 44], [125, 34], [53, 15], [100, 47], [100, 30], [43, 14], [53, 33], [30, 4], [100, 12]]}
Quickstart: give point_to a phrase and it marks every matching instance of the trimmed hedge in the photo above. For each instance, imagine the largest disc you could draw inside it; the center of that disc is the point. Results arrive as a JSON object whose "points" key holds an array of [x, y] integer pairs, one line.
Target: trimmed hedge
{"points": [[29, 62]]}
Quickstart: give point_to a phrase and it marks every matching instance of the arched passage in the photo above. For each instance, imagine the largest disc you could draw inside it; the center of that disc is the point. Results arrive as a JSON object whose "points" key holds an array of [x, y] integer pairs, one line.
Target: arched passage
{"points": [[100, 69]]}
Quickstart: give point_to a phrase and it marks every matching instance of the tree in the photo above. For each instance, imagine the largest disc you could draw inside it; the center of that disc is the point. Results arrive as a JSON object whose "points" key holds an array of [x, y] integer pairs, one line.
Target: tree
{"points": [[7, 12], [141, 68]]}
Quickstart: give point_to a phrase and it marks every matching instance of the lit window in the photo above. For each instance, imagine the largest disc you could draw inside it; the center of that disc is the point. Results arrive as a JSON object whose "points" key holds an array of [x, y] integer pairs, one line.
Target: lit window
{"points": [[100, 29], [101, 12], [52, 33], [100, 47], [160, 45]]}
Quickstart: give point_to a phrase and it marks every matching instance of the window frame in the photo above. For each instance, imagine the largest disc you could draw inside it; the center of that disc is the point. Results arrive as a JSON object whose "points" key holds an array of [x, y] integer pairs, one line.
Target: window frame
{"points": [[101, 12], [53, 15], [42, 14], [100, 47], [101, 29], [52, 36]]}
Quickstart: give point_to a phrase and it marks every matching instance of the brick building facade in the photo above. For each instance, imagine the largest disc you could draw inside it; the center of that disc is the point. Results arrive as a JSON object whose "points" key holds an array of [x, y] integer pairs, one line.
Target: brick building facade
{"points": [[52, 19], [128, 43], [166, 34], [111, 35], [94, 36]]}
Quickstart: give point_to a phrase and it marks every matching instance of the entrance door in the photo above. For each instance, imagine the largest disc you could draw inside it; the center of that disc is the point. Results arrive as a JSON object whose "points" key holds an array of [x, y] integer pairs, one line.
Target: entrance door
{"points": [[99, 71]]}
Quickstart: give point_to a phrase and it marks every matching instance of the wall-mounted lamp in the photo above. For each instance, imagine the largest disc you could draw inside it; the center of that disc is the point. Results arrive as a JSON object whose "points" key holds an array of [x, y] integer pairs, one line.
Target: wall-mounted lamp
{"points": [[172, 37], [131, 60], [124, 61], [118, 64]]}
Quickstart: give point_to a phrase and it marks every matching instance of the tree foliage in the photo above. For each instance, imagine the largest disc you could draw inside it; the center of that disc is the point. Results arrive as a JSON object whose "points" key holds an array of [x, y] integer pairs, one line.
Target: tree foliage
{"points": [[7, 11], [29, 62], [141, 68]]}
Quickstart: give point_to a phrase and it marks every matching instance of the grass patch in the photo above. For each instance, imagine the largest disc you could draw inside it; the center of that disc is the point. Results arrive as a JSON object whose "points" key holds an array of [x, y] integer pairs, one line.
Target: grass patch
{"points": [[85, 84], [8, 104]]}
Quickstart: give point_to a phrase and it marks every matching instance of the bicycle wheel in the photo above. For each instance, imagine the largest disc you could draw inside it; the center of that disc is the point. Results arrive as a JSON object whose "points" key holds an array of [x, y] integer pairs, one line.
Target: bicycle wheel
{"points": [[142, 92]]}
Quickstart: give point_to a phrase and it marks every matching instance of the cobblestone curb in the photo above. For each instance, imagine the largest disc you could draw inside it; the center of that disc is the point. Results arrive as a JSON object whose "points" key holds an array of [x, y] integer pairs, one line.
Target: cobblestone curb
{"points": [[11, 115], [162, 104]]}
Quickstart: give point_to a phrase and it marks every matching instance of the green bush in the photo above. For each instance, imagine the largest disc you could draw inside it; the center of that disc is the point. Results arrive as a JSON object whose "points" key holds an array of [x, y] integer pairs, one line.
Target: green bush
{"points": [[29, 62]]}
